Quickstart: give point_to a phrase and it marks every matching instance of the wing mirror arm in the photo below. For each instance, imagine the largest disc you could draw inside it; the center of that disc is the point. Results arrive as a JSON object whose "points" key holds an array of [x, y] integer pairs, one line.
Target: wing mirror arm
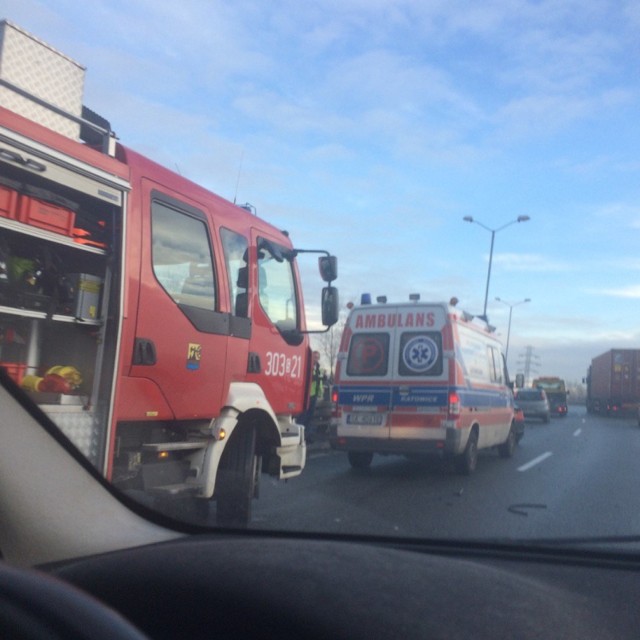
{"points": [[329, 302]]}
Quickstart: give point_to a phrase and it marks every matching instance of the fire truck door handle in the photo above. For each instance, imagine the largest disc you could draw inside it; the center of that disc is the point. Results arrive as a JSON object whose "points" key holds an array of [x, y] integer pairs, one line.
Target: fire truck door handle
{"points": [[253, 364], [144, 352]]}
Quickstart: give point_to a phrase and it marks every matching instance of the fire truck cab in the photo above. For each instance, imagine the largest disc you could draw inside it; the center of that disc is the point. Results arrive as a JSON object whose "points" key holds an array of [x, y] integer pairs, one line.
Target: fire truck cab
{"points": [[421, 378]]}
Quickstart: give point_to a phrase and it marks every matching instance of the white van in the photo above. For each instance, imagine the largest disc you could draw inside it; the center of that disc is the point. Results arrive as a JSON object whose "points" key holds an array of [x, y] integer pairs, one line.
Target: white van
{"points": [[420, 378]]}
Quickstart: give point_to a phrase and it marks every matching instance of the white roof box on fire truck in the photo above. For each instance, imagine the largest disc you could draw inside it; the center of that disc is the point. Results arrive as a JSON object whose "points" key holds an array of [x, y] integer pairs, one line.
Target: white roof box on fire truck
{"points": [[46, 86]]}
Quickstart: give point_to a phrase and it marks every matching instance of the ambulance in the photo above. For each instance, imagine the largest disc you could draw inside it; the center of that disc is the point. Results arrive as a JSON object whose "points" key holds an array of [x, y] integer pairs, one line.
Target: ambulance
{"points": [[421, 378]]}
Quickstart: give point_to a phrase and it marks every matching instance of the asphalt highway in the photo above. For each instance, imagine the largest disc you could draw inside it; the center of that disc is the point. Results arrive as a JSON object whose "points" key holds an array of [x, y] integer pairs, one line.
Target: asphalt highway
{"points": [[575, 477]]}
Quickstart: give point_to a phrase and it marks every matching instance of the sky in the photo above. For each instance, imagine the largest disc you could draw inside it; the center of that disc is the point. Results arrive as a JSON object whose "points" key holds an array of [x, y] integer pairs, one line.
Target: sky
{"points": [[371, 128]]}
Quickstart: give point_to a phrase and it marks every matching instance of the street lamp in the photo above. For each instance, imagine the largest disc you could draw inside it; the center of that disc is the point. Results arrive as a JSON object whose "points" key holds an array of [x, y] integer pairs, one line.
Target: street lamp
{"points": [[510, 305], [493, 235]]}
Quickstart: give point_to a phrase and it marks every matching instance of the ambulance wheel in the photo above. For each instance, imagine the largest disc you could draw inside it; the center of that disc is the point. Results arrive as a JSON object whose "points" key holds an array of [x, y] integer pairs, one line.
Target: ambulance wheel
{"points": [[507, 448], [360, 459], [237, 479], [467, 461]]}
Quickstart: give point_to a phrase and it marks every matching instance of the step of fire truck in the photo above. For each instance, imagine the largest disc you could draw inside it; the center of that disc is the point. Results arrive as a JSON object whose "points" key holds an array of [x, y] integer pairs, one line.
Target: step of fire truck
{"points": [[173, 490], [175, 446], [180, 488]]}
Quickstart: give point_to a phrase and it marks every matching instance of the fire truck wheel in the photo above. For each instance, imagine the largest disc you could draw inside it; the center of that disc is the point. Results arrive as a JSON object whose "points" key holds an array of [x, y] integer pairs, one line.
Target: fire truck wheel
{"points": [[360, 459], [467, 461], [507, 448], [237, 479]]}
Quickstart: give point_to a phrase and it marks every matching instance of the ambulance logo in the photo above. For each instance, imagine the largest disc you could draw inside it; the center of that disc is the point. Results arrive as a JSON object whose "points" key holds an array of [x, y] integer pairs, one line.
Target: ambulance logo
{"points": [[420, 354]]}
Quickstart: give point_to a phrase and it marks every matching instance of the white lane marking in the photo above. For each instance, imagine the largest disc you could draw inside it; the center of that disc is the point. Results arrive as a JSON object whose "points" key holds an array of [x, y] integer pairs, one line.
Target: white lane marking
{"points": [[577, 432], [535, 461]]}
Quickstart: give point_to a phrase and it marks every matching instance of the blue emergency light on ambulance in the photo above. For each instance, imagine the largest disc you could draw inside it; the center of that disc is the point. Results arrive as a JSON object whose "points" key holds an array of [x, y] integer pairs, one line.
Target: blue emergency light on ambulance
{"points": [[421, 378]]}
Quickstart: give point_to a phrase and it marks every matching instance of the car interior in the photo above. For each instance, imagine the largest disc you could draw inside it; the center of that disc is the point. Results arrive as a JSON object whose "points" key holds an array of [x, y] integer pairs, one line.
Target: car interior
{"points": [[136, 573]]}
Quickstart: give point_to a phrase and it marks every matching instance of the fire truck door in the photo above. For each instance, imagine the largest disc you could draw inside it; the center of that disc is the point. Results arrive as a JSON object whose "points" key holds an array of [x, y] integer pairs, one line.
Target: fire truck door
{"points": [[181, 335], [276, 342]]}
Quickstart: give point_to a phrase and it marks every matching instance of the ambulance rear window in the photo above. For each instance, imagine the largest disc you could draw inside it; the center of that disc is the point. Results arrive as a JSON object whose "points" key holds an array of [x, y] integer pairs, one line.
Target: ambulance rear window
{"points": [[368, 355], [420, 353]]}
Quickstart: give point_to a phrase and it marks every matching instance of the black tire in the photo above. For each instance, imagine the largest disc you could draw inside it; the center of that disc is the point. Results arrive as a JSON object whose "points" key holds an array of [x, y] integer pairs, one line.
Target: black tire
{"points": [[507, 448], [237, 480], [360, 459], [467, 461]]}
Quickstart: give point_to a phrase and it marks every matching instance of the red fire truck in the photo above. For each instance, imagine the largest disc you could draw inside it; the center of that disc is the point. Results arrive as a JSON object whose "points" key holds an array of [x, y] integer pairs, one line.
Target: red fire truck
{"points": [[160, 326]]}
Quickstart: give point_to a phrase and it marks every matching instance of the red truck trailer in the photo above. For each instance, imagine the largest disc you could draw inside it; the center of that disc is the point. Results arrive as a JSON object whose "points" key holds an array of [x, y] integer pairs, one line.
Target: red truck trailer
{"points": [[613, 382], [161, 327]]}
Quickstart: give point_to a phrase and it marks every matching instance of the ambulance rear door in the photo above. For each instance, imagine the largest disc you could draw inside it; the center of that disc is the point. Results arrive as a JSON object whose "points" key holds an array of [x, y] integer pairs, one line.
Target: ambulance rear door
{"points": [[419, 395], [366, 376]]}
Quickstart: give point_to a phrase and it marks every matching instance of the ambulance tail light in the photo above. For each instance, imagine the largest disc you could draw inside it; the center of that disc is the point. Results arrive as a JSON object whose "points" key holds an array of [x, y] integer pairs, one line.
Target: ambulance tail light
{"points": [[336, 412], [453, 410]]}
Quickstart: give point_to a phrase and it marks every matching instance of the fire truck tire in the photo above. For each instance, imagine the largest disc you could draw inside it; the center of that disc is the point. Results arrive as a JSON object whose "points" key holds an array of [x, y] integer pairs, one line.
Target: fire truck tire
{"points": [[507, 448], [467, 461], [360, 459], [237, 479]]}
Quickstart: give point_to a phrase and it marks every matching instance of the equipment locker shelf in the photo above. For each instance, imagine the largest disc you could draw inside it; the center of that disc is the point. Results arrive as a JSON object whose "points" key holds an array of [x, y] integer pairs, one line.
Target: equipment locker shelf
{"points": [[47, 331]]}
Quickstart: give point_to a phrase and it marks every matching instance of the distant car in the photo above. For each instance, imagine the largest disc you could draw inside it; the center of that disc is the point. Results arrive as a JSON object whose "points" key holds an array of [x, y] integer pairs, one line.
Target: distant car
{"points": [[534, 404]]}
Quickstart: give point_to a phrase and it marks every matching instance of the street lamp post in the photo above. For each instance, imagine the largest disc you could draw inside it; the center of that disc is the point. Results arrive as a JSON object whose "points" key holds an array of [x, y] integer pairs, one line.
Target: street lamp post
{"points": [[510, 305], [493, 236]]}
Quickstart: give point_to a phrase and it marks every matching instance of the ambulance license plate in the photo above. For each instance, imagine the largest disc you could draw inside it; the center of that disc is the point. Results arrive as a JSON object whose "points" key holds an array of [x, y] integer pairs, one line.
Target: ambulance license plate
{"points": [[365, 418]]}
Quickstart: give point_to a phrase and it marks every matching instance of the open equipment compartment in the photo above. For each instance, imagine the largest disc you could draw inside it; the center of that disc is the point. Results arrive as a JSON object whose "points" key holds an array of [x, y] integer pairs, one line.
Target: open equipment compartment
{"points": [[59, 271]]}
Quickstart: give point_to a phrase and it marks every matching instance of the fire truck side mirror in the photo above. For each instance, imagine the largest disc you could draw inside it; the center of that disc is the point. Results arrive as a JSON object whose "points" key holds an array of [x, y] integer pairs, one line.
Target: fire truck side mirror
{"points": [[243, 278], [328, 266], [329, 306], [277, 252]]}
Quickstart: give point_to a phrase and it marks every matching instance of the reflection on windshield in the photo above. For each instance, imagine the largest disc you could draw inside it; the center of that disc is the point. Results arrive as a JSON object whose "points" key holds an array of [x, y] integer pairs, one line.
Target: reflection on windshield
{"points": [[277, 291]]}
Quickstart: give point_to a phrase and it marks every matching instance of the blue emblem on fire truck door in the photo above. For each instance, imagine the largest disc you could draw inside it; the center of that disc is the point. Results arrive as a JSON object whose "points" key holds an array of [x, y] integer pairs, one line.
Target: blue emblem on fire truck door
{"points": [[420, 354]]}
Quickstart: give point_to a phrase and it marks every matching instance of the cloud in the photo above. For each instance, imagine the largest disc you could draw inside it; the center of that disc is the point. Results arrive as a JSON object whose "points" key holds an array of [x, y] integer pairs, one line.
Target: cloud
{"points": [[619, 210], [545, 114], [630, 291], [629, 263], [531, 262], [289, 114]]}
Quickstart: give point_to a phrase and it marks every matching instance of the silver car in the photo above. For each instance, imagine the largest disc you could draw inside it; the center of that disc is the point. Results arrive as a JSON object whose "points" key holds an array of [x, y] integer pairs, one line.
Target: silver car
{"points": [[534, 403]]}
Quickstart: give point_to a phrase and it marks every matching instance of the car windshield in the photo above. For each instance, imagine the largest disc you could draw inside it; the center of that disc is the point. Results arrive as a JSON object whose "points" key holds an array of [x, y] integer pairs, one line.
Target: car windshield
{"points": [[472, 166], [530, 395]]}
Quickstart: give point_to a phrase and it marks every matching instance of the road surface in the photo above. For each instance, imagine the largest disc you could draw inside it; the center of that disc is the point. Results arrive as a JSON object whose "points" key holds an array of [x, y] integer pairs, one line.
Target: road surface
{"points": [[577, 476]]}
